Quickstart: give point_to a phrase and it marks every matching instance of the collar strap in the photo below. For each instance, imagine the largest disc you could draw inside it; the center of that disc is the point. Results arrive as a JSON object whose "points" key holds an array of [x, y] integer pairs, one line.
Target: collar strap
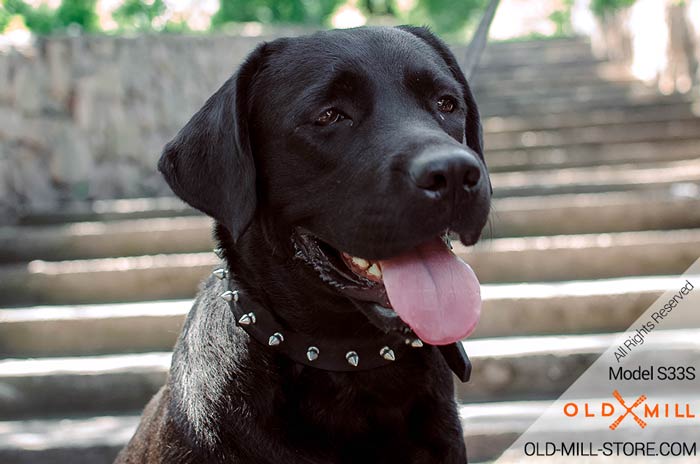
{"points": [[344, 355]]}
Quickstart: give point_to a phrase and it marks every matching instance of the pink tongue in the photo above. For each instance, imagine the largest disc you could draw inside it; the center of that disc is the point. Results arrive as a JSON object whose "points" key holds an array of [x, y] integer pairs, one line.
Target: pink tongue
{"points": [[434, 292]]}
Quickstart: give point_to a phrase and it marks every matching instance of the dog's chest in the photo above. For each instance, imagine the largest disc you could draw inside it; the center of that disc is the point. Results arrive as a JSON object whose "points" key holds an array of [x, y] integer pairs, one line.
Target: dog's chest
{"points": [[354, 424]]}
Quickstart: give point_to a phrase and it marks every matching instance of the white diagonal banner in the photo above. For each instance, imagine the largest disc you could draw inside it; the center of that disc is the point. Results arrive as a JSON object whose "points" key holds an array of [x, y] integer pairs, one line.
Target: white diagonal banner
{"points": [[638, 402]]}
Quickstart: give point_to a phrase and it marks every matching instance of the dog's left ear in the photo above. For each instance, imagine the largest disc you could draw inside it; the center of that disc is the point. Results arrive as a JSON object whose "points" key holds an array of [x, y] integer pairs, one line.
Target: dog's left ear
{"points": [[473, 133], [209, 163]]}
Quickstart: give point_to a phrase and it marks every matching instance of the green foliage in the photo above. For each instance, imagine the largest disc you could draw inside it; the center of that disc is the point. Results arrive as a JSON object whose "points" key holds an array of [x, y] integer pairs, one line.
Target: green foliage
{"points": [[562, 19], [176, 27], [77, 13], [451, 19], [43, 20], [604, 7], [5, 17], [138, 15], [314, 12]]}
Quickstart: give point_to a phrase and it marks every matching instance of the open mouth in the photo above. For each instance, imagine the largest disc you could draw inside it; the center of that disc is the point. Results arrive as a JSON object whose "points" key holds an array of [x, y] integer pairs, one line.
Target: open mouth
{"points": [[427, 289]]}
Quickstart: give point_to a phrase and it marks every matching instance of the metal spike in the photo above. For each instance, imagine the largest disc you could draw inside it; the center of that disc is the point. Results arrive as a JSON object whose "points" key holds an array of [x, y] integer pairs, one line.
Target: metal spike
{"points": [[247, 319], [352, 358], [312, 353], [220, 274], [219, 252], [387, 353], [230, 295], [417, 343], [275, 339]]}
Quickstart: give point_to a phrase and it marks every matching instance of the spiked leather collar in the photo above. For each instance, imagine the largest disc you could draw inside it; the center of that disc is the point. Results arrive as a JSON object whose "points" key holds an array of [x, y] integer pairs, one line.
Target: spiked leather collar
{"points": [[344, 355]]}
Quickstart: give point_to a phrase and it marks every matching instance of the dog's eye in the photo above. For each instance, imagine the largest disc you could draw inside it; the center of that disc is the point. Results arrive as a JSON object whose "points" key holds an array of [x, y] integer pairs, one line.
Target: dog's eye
{"points": [[446, 104], [329, 116]]}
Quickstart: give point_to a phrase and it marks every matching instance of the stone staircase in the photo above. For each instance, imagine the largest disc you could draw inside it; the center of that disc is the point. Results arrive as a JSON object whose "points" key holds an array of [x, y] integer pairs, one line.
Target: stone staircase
{"points": [[597, 185]]}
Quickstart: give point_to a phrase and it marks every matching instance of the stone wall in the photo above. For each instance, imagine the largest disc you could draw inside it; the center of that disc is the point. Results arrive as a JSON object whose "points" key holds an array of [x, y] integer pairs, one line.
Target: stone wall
{"points": [[85, 118]]}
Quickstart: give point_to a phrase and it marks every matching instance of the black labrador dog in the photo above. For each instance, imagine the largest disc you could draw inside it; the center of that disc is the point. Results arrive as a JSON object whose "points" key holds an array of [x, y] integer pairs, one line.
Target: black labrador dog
{"points": [[334, 166]]}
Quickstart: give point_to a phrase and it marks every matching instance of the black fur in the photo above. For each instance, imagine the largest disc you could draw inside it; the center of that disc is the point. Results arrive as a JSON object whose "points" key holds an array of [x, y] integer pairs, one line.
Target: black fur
{"points": [[253, 159]]}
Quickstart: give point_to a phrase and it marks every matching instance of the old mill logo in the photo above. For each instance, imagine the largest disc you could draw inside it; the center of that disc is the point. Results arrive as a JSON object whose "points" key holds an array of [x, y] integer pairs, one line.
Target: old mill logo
{"points": [[628, 410], [640, 410]]}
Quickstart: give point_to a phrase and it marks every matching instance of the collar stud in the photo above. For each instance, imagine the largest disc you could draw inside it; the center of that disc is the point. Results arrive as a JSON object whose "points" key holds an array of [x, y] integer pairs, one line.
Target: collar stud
{"points": [[230, 295], [387, 353], [220, 274], [353, 358], [247, 319], [312, 353], [275, 339]]}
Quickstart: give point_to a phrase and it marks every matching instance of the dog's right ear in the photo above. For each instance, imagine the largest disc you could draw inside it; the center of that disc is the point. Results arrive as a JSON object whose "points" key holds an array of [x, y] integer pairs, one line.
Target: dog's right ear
{"points": [[209, 163]]}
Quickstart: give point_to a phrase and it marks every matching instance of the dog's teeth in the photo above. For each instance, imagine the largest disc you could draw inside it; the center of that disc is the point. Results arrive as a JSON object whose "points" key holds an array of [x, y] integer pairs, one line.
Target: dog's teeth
{"points": [[374, 271], [417, 343], [352, 358], [359, 262]]}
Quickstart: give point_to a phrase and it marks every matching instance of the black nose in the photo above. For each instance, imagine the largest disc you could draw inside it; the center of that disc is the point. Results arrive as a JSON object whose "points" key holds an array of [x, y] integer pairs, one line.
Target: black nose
{"points": [[443, 171]]}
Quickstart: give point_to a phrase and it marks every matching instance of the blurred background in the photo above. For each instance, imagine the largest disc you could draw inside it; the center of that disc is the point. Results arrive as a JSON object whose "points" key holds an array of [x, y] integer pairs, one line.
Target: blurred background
{"points": [[591, 111]]}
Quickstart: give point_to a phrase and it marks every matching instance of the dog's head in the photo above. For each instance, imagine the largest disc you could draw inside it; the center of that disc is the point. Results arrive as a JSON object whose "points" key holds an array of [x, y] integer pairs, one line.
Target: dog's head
{"points": [[357, 151]]}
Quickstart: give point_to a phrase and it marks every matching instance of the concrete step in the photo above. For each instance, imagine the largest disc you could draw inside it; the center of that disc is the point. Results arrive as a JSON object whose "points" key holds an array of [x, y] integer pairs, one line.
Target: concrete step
{"points": [[531, 64], [512, 63], [494, 105], [675, 208], [51, 387], [496, 125], [597, 179], [625, 132], [573, 72], [514, 88], [537, 50], [87, 440], [512, 368], [584, 256], [517, 81], [106, 280], [561, 257], [91, 329], [129, 237], [583, 92], [537, 45], [591, 154], [607, 305], [111, 210]]}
